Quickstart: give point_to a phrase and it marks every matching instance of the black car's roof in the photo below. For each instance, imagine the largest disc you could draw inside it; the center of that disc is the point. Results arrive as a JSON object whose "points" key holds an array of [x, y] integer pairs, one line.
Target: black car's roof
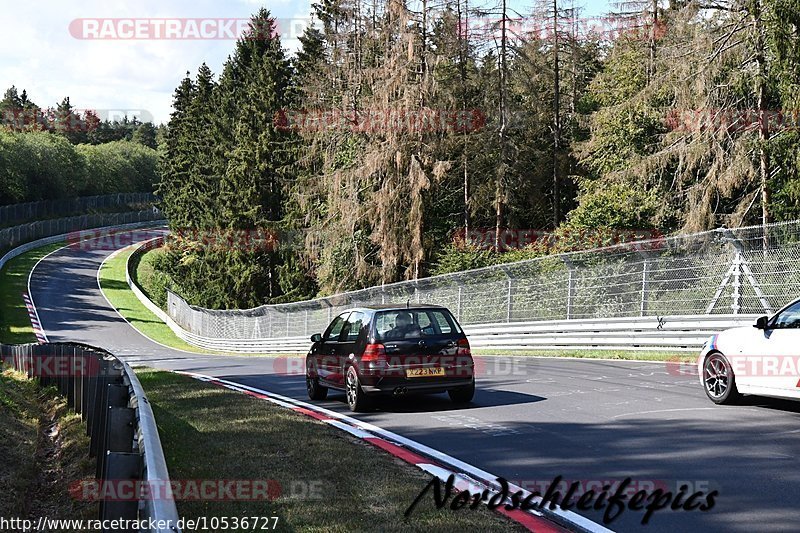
{"points": [[395, 307]]}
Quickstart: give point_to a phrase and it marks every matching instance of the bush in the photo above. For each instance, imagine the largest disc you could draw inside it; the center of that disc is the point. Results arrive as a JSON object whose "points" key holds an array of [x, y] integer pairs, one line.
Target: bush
{"points": [[38, 165], [119, 166]]}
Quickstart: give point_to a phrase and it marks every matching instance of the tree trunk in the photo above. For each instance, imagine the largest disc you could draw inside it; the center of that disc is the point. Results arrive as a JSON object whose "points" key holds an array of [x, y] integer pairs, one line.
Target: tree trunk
{"points": [[500, 182], [763, 132], [463, 39], [556, 119], [651, 66]]}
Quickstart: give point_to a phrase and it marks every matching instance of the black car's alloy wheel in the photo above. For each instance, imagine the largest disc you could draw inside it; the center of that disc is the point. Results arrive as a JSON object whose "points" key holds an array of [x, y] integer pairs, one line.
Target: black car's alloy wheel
{"points": [[356, 398]]}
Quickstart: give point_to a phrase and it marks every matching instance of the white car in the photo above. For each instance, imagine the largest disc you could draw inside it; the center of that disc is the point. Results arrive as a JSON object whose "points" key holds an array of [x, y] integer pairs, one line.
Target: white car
{"points": [[763, 359]]}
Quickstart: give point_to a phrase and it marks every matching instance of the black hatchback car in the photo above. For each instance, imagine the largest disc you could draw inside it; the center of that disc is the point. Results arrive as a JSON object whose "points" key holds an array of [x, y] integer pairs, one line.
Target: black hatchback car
{"points": [[391, 350]]}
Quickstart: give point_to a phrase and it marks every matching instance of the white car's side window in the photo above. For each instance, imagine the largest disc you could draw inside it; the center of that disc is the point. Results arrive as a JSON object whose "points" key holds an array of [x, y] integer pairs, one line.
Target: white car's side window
{"points": [[788, 318]]}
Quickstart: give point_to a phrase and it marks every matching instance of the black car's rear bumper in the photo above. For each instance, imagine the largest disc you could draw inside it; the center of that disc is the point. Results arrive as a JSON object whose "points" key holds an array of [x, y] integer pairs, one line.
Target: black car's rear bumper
{"points": [[415, 385]]}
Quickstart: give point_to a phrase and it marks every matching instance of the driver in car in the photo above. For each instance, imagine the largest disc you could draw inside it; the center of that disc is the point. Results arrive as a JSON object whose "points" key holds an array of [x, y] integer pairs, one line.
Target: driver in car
{"points": [[403, 327]]}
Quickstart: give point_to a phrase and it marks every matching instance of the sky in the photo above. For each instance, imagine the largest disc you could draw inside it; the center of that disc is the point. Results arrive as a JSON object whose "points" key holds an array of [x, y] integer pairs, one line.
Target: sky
{"points": [[56, 48]]}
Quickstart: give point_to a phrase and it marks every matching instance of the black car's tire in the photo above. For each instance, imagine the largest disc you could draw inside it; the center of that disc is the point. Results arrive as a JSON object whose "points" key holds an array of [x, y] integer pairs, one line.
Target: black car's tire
{"points": [[357, 399], [719, 382], [314, 389], [463, 394]]}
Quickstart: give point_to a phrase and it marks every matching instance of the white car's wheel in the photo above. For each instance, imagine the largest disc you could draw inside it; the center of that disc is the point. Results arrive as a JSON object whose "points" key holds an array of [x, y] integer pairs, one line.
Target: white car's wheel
{"points": [[718, 380]]}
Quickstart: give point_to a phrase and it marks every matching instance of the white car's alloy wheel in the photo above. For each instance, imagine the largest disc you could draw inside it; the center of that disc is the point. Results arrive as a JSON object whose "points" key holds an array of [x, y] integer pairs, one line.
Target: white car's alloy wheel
{"points": [[718, 379]]}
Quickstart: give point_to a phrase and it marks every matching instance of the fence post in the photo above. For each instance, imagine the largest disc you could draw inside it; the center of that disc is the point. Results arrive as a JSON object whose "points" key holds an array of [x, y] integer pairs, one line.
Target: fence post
{"points": [[737, 284], [458, 304], [645, 286], [570, 285], [509, 299]]}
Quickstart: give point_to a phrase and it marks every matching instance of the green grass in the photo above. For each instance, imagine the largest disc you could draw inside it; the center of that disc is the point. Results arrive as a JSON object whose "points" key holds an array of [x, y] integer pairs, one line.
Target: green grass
{"points": [[152, 282], [15, 325], [622, 355], [212, 433], [115, 287], [44, 448]]}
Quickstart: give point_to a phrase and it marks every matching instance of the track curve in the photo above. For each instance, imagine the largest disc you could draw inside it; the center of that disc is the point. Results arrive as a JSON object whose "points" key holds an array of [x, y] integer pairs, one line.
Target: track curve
{"points": [[532, 418]]}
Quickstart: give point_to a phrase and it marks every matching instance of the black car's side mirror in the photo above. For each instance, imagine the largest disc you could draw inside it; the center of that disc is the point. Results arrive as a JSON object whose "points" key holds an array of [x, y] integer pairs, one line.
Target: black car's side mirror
{"points": [[316, 337], [761, 323]]}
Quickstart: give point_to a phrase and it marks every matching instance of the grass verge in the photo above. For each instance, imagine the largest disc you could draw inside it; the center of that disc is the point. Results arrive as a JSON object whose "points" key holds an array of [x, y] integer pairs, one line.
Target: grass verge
{"points": [[15, 325], [152, 282], [44, 448], [114, 285], [212, 433]]}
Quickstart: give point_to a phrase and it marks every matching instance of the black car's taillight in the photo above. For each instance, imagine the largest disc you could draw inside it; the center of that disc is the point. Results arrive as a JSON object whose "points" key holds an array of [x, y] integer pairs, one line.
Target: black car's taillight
{"points": [[463, 348], [374, 355]]}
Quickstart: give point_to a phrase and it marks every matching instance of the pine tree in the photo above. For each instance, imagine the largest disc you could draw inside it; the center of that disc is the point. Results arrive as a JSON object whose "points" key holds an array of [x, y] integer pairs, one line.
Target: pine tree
{"points": [[177, 160]]}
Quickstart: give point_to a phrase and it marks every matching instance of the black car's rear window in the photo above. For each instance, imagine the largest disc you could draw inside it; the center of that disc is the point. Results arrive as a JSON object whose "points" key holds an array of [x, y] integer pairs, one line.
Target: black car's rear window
{"points": [[414, 324]]}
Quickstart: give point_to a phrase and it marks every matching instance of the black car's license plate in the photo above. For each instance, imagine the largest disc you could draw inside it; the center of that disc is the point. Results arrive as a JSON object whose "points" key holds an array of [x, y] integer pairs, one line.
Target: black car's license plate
{"points": [[424, 372]]}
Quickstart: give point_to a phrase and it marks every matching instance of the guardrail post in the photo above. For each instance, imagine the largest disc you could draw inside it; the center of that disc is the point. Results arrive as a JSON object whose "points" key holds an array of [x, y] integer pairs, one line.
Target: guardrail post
{"points": [[121, 467], [63, 380], [110, 376], [69, 378], [116, 421]]}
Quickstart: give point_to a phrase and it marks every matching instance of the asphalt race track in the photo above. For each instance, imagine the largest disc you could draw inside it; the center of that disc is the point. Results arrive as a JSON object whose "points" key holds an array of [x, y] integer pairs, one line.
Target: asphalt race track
{"points": [[532, 419]]}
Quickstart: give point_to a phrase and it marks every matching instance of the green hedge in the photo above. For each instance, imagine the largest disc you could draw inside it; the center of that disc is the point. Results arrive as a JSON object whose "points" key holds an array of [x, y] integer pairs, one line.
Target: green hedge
{"points": [[42, 166]]}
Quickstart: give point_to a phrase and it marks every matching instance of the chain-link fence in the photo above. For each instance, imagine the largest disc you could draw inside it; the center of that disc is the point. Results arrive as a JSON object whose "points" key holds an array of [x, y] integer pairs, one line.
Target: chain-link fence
{"points": [[24, 233], [745, 270], [33, 211]]}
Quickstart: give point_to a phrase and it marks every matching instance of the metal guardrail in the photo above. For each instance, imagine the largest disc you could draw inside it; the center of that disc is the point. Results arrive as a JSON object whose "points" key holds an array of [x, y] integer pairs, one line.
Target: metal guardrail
{"points": [[16, 236], [53, 239], [110, 400], [667, 333]]}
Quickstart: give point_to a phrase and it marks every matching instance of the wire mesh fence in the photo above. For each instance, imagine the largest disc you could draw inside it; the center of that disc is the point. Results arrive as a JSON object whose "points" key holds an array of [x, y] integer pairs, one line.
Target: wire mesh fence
{"points": [[34, 211], [726, 271], [24, 233]]}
